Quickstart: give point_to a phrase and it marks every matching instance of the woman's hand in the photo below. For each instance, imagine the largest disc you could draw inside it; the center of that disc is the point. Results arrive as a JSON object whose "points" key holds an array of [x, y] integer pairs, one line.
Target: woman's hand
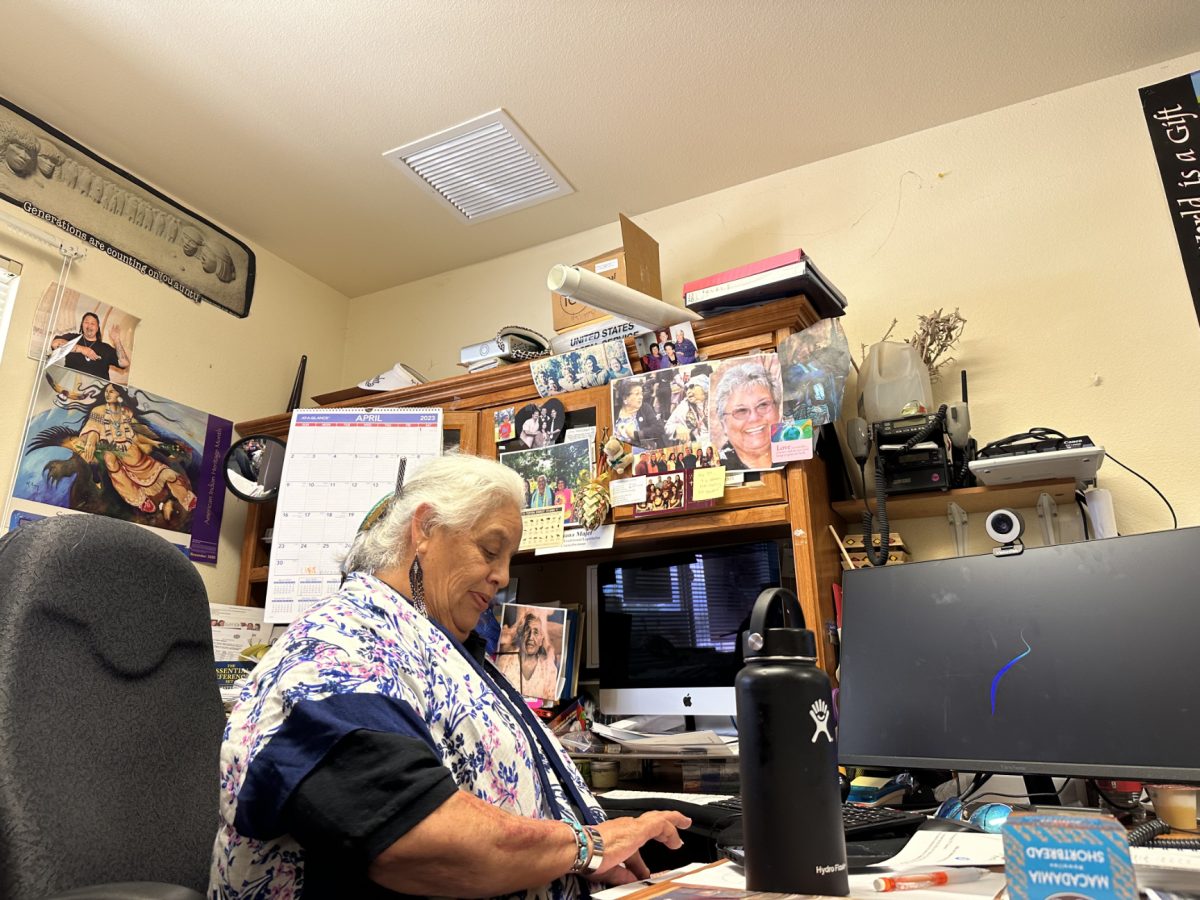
{"points": [[624, 837]]}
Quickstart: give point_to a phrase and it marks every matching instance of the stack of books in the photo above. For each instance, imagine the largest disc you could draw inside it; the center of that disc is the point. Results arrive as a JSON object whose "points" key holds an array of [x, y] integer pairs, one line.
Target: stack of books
{"points": [[785, 275]]}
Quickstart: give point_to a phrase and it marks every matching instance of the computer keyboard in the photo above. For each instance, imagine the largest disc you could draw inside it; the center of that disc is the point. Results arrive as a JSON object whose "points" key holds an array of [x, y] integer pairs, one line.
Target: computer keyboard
{"points": [[1165, 858], [713, 810]]}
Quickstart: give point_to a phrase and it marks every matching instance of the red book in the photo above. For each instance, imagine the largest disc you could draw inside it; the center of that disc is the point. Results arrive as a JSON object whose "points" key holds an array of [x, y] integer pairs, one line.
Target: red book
{"points": [[754, 268]]}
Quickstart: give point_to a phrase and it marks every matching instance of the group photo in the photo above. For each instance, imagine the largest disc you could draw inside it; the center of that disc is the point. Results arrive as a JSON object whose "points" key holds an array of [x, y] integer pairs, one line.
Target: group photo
{"points": [[663, 408], [667, 348], [550, 475], [577, 370]]}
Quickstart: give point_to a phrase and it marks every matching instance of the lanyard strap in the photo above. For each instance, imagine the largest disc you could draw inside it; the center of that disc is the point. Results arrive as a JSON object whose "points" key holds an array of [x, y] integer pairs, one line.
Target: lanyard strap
{"points": [[535, 734]]}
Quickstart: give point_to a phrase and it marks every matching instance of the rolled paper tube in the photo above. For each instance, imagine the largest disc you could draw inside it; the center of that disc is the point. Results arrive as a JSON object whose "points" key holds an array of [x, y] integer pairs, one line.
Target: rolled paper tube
{"points": [[611, 297]]}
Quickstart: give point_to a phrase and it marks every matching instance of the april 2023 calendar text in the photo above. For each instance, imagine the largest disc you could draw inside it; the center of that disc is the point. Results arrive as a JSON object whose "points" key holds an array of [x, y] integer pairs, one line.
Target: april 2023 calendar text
{"points": [[339, 464]]}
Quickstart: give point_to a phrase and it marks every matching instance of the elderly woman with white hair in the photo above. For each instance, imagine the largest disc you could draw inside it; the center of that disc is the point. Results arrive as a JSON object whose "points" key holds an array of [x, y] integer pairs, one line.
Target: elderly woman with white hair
{"points": [[374, 753], [531, 668], [746, 403]]}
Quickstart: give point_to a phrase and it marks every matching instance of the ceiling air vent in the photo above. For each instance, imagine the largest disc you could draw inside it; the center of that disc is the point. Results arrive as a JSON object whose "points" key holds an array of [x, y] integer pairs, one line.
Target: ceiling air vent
{"points": [[482, 168]]}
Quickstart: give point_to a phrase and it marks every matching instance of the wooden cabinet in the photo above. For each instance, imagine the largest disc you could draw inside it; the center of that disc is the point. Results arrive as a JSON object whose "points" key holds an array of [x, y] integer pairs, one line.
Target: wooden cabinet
{"points": [[792, 504]]}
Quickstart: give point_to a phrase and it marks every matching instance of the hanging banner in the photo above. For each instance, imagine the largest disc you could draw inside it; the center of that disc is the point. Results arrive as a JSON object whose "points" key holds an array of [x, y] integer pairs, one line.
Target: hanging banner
{"points": [[93, 446], [1172, 111], [63, 183]]}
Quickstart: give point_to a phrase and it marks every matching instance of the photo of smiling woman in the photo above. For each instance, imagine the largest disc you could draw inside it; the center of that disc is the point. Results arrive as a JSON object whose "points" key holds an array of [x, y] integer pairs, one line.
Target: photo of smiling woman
{"points": [[743, 408]]}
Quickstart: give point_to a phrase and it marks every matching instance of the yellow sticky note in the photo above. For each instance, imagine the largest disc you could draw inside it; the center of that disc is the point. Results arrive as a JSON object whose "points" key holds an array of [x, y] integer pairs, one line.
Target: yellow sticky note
{"points": [[708, 483], [541, 528]]}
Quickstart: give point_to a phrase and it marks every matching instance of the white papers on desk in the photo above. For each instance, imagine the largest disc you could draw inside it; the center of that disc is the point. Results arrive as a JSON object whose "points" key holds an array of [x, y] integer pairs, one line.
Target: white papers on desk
{"points": [[702, 743], [949, 848]]}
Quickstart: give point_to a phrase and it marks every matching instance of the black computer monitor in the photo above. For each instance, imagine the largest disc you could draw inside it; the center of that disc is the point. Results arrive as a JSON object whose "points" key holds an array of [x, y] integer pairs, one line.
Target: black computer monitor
{"points": [[1081, 659], [671, 626]]}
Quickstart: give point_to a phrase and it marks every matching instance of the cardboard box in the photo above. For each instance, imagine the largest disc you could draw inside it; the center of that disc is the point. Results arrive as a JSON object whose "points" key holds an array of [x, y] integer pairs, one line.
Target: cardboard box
{"points": [[1061, 855], [856, 541], [633, 264], [862, 561]]}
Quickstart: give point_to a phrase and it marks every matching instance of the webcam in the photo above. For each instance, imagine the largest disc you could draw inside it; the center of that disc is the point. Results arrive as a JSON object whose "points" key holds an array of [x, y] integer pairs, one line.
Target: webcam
{"points": [[1005, 527]]}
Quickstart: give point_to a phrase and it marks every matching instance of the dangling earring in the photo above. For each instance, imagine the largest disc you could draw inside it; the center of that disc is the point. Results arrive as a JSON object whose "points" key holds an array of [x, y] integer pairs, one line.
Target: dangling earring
{"points": [[416, 580]]}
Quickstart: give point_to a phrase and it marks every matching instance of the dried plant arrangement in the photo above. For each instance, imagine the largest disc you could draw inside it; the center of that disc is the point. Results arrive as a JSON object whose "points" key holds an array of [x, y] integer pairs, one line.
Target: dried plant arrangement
{"points": [[936, 335]]}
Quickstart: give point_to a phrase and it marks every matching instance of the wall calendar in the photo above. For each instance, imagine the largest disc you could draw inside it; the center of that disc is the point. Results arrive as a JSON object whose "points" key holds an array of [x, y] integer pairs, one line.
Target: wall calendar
{"points": [[339, 464]]}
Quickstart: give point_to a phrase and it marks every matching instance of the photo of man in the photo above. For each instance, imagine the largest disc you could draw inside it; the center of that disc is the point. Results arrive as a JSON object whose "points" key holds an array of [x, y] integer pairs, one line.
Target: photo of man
{"points": [[87, 335]]}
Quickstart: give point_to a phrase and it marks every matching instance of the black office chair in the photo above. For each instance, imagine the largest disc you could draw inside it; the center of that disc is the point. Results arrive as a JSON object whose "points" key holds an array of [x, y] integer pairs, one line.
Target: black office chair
{"points": [[110, 716]]}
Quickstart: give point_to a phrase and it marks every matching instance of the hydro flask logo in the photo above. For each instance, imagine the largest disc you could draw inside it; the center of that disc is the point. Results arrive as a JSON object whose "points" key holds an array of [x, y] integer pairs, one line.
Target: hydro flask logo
{"points": [[820, 717]]}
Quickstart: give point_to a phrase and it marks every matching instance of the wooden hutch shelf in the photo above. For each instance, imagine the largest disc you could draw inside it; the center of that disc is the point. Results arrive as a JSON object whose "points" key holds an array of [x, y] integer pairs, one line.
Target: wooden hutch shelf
{"points": [[792, 505], [972, 500]]}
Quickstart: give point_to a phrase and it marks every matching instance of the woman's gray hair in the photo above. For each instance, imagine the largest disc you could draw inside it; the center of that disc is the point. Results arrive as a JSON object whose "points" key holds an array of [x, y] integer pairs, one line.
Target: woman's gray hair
{"points": [[744, 375], [461, 490]]}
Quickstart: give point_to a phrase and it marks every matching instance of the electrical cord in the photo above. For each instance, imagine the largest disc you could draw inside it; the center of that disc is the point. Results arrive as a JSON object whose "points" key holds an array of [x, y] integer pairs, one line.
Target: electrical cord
{"points": [[1041, 432], [980, 779], [1027, 796], [1081, 502], [1174, 518], [885, 534], [1146, 832]]}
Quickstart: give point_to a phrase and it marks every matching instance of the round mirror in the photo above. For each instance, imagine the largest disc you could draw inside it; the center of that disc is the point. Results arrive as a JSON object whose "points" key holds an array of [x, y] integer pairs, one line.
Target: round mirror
{"points": [[253, 467]]}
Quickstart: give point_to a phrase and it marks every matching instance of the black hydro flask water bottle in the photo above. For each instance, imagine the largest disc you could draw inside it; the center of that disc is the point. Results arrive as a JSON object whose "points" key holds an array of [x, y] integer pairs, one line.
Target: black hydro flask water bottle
{"points": [[791, 800]]}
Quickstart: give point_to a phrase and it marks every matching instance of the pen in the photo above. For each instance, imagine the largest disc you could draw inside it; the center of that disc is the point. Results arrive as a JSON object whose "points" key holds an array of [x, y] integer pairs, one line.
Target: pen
{"points": [[919, 880]]}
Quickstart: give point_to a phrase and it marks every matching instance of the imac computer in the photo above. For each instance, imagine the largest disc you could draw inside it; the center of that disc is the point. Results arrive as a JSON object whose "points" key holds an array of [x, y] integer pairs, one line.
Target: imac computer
{"points": [[670, 626], [1078, 659]]}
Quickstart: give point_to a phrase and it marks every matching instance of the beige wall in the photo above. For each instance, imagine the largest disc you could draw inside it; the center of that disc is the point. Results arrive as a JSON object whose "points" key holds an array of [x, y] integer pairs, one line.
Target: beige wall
{"points": [[1044, 223], [194, 354]]}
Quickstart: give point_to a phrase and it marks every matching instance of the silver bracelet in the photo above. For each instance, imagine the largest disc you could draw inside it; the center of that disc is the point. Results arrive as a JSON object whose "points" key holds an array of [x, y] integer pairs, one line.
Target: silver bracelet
{"points": [[596, 857], [583, 848]]}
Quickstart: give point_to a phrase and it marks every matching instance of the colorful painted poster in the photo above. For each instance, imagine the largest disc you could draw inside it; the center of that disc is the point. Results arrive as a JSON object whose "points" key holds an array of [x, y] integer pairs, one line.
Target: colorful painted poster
{"points": [[92, 446]]}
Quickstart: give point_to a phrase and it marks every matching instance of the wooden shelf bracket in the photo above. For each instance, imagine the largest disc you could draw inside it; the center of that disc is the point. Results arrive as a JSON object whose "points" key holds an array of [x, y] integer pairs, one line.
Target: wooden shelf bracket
{"points": [[958, 526], [1047, 513]]}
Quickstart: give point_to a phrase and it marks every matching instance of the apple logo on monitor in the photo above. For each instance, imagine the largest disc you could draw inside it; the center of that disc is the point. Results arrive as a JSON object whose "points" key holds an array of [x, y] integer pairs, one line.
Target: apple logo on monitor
{"points": [[687, 700]]}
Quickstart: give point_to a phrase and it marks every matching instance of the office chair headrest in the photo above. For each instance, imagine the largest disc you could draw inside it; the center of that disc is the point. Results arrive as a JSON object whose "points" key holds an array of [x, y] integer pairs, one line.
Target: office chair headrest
{"points": [[134, 593]]}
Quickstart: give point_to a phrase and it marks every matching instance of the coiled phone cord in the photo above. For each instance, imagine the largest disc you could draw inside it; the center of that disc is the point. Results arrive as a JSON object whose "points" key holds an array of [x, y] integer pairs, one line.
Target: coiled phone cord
{"points": [[885, 535]]}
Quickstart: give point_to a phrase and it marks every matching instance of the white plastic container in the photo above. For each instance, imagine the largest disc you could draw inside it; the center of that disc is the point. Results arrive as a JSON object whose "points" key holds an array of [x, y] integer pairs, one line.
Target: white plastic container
{"points": [[892, 376]]}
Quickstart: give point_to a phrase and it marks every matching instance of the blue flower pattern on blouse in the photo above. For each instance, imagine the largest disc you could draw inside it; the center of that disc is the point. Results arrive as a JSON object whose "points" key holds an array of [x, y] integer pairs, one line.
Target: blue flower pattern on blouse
{"points": [[368, 639]]}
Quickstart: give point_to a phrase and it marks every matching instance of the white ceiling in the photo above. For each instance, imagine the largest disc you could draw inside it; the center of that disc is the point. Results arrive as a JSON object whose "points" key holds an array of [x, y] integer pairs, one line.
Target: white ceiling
{"points": [[270, 116]]}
